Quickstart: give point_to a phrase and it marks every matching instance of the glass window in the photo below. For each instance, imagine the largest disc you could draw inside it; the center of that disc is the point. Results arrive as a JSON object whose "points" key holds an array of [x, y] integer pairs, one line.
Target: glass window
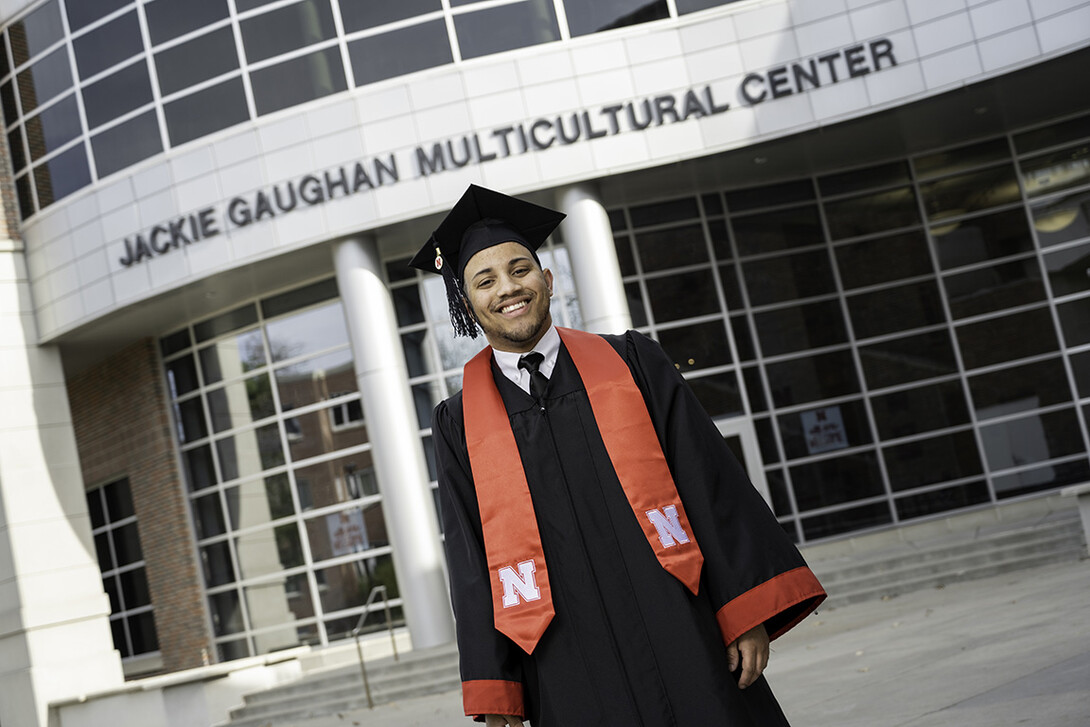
{"points": [[269, 551], [840, 479], [698, 346], [407, 305], [788, 277], [171, 18], [585, 18], [316, 379], [1052, 135], [206, 111], [1057, 170], [507, 27], [672, 247], [297, 298], [85, 12], [117, 94], [625, 258], [843, 521], [259, 502], [769, 196], [872, 213], [779, 230], [197, 60], [1035, 438], [883, 259], [962, 158], [860, 180], [1062, 219], [352, 530], [1042, 478], [934, 501], [127, 143], [812, 378], [921, 356], [837, 426], [1020, 388], [298, 80], [45, 79], [208, 517], [401, 51], [287, 29], [7, 99], [248, 453], [277, 602], [1080, 364], [355, 581], [175, 342], [190, 416], [364, 15], [636, 308], [53, 128], [1008, 338], [685, 295], [62, 175], [800, 327], [924, 408], [718, 394], [108, 45], [225, 323], [337, 480], [955, 196], [929, 461], [1074, 321], [241, 403], [743, 339], [982, 238], [896, 309], [199, 471], [660, 213], [338, 427], [1068, 270], [993, 288], [25, 196], [36, 32], [313, 330], [217, 564]]}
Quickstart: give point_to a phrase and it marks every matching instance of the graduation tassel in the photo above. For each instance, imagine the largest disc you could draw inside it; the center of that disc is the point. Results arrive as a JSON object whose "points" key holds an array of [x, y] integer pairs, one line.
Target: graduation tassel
{"points": [[463, 321]]}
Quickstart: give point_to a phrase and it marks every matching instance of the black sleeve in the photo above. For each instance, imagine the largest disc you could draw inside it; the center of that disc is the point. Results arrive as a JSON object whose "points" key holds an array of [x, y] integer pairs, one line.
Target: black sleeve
{"points": [[491, 665], [753, 572]]}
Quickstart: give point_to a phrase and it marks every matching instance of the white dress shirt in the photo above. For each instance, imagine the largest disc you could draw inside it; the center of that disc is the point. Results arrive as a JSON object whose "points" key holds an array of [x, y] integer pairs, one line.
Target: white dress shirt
{"points": [[508, 361]]}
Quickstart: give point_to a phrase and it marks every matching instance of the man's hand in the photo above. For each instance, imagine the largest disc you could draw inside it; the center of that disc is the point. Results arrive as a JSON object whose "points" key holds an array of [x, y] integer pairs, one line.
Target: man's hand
{"points": [[502, 720], [750, 651]]}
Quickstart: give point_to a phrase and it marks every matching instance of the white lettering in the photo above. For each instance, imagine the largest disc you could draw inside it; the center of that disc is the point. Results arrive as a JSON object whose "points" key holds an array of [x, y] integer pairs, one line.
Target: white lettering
{"points": [[521, 583], [667, 526]]}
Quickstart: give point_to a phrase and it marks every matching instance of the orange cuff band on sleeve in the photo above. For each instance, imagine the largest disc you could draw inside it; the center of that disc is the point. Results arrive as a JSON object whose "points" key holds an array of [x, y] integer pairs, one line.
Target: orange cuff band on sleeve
{"points": [[766, 600], [493, 696]]}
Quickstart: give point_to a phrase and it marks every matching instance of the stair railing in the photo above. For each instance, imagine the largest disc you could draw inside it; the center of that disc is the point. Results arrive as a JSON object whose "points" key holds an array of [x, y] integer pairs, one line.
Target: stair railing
{"points": [[376, 591]]}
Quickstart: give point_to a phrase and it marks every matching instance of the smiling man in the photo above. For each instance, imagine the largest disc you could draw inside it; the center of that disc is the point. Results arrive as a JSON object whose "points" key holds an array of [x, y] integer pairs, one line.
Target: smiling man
{"points": [[610, 563]]}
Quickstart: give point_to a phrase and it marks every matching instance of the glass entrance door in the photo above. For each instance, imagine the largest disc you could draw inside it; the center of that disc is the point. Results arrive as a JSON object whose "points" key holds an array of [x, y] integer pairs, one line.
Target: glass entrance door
{"points": [[740, 436]]}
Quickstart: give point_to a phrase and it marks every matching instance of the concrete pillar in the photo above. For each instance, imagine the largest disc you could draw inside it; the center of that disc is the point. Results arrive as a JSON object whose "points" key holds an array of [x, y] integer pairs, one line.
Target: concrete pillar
{"points": [[55, 640], [398, 455], [593, 260]]}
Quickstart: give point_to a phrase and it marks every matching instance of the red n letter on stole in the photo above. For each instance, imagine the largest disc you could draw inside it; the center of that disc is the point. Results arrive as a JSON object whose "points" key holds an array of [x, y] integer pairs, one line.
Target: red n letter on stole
{"points": [[521, 583]]}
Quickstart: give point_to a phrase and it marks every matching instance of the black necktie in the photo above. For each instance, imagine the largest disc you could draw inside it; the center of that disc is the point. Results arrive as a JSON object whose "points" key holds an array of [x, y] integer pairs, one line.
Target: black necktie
{"points": [[532, 362]]}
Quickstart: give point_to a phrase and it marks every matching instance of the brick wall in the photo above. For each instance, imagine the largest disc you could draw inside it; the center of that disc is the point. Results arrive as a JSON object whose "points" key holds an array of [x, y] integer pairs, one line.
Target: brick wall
{"points": [[123, 429]]}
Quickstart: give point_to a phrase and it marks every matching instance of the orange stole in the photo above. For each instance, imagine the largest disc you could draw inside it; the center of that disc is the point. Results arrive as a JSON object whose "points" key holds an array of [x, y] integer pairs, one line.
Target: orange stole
{"points": [[510, 531]]}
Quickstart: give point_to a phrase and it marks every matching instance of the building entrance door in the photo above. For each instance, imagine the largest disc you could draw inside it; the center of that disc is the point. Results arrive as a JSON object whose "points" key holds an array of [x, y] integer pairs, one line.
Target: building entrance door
{"points": [[741, 437]]}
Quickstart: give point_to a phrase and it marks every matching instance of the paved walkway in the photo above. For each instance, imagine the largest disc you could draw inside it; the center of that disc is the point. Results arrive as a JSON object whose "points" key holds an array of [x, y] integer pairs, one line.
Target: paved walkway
{"points": [[998, 652]]}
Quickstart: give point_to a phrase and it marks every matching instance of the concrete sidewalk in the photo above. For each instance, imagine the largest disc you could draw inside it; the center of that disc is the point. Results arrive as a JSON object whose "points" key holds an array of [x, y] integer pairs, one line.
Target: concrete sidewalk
{"points": [[1008, 650]]}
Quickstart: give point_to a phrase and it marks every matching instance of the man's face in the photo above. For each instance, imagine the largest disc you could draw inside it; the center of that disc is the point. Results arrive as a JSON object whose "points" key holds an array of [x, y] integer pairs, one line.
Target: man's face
{"points": [[509, 294]]}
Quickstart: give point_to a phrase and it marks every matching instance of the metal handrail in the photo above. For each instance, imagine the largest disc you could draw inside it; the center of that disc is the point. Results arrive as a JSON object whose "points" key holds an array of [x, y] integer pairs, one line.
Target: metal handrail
{"points": [[377, 590]]}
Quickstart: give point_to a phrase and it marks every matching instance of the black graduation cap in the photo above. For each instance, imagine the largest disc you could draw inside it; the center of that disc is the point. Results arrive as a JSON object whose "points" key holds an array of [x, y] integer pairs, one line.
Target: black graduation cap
{"points": [[480, 219]]}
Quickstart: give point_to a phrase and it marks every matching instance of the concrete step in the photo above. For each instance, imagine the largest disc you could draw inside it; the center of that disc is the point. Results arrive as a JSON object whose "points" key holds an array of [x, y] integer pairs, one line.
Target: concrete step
{"points": [[415, 674]]}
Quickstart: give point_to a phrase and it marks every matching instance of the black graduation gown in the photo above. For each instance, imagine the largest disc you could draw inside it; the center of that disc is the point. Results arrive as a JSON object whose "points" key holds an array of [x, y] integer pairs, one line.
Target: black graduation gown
{"points": [[629, 644]]}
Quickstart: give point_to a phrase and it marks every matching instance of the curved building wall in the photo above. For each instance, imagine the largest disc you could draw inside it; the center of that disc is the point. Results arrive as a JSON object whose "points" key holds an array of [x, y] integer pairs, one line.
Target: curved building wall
{"points": [[284, 177]]}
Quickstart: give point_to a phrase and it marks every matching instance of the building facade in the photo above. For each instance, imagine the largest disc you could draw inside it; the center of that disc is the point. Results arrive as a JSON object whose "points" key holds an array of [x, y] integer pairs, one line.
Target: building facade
{"points": [[861, 228]]}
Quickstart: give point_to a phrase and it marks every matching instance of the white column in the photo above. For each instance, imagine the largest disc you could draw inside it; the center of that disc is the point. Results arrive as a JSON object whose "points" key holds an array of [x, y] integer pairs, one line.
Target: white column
{"points": [[397, 452], [55, 640], [593, 260]]}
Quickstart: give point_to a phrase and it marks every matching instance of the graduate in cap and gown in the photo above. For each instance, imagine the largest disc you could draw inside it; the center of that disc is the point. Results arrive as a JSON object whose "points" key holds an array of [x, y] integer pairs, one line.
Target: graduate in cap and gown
{"points": [[610, 562]]}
